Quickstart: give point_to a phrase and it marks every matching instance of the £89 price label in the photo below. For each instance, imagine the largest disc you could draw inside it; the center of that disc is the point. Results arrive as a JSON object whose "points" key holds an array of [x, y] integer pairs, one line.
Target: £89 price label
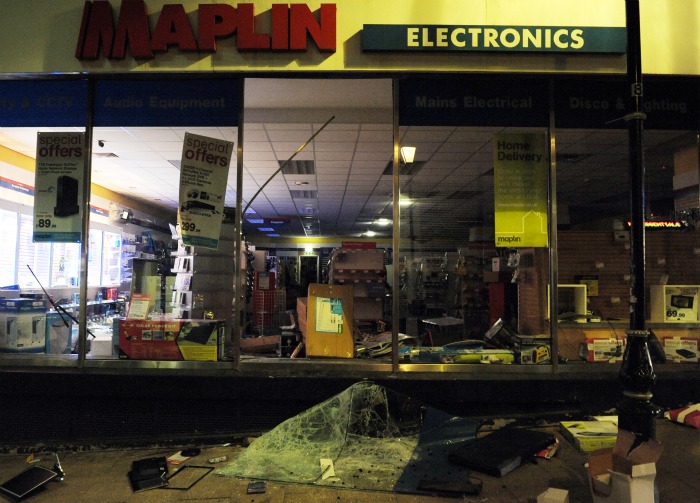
{"points": [[44, 223]]}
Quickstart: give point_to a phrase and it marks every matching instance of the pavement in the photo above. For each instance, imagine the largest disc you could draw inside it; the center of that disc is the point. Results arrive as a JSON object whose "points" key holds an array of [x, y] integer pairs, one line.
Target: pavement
{"points": [[100, 475]]}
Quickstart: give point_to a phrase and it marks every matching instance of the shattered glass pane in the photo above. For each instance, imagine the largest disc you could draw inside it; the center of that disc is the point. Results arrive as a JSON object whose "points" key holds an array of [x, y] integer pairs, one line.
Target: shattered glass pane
{"points": [[376, 439]]}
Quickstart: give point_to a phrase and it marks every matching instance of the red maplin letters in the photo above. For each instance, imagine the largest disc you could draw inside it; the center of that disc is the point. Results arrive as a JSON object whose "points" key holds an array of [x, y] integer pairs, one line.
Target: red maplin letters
{"points": [[290, 28]]}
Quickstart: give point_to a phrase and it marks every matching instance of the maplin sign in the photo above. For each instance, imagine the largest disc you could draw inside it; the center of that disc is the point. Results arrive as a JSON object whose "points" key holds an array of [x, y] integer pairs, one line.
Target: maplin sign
{"points": [[457, 38], [288, 29]]}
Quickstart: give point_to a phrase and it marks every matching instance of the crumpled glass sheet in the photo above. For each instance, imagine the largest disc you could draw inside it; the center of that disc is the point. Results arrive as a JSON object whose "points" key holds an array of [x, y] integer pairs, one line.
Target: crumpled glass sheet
{"points": [[377, 439]]}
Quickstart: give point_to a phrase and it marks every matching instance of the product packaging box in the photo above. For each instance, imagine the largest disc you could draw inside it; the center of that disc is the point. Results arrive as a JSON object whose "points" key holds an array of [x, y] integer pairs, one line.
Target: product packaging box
{"points": [[623, 473], [61, 333], [681, 349], [589, 436], [602, 350], [532, 349], [201, 340], [329, 321], [22, 325]]}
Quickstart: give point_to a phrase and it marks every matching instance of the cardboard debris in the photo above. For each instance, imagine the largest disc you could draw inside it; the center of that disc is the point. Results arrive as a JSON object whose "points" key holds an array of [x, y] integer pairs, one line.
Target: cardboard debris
{"points": [[623, 474], [553, 495]]}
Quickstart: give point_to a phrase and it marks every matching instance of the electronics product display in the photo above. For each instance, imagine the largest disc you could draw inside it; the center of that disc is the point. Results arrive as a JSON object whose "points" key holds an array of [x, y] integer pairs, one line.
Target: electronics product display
{"points": [[66, 197], [682, 301]]}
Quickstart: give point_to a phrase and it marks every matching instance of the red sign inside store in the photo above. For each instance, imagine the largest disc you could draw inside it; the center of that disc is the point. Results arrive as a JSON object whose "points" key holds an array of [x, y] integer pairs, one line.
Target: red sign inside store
{"points": [[359, 245], [290, 28]]}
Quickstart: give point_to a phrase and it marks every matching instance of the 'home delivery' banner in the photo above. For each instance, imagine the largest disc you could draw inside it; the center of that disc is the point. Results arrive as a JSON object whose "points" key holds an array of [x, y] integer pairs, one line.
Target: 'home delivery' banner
{"points": [[520, 190]]}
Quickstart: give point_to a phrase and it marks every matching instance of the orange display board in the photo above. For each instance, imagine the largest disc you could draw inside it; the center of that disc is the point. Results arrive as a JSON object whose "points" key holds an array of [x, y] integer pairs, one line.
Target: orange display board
{"points": [[329, 319]]}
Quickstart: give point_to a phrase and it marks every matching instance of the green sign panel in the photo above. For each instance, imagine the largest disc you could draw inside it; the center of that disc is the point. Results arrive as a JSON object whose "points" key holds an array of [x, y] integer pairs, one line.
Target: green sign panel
{"points": [[520, 190], [456, 38]]}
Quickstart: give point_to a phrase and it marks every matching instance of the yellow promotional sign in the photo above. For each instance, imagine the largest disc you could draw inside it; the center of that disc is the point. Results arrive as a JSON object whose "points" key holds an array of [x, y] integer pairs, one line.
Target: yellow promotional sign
{"points": [[520, 190]]}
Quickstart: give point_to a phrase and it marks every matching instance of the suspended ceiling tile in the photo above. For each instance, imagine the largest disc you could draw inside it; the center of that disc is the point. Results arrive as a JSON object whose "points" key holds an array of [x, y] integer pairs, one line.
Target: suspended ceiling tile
{"points": [[344, 146], [155, 135], [334, 156]]}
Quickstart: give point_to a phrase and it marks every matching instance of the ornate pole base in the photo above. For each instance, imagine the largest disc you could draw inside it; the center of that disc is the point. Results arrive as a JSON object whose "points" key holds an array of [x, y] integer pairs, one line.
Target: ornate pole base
{"points": [[636, 412], [638, 416]]}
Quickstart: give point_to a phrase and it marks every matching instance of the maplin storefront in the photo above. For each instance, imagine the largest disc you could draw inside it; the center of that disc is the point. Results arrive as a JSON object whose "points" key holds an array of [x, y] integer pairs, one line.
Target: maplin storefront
{"points": [[528, 79]]}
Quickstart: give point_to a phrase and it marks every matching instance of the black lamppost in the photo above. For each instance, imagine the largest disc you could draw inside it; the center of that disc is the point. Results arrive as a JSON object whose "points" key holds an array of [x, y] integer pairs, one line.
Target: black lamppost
{"points": [[636, 412]]}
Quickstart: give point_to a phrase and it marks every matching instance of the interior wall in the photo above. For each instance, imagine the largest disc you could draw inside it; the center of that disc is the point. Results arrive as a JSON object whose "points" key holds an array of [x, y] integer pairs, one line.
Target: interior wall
{"points": [[669, 253]]}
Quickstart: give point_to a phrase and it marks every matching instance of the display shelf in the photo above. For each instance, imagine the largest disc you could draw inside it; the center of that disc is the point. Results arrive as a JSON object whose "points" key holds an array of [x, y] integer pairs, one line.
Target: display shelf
{"points": [[365, 271], [89, 303]]}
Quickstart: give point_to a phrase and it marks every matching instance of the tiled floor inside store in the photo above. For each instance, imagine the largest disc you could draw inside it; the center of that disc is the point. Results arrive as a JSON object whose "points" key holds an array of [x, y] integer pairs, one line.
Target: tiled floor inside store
{"points": [[95, 475]]}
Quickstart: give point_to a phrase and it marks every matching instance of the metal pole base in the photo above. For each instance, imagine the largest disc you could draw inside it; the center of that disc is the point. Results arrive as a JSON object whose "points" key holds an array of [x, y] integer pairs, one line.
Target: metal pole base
{"points": [[639, 417]]}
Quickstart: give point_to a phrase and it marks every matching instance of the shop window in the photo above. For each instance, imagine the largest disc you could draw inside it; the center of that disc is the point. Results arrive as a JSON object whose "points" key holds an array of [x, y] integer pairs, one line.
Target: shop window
{"points": [[95, 257], [65, 265], [8, 248], [111, 259], [36, 256]]}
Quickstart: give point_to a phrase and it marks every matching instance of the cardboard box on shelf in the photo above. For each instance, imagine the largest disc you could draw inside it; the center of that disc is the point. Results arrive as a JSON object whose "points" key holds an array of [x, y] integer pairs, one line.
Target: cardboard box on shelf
{"points": [[607, 350], [532, 349], [22, 325], [200, 340], [358, 260], [370, 289], [589, 436], [623, 474], [681, 349], [61, 333]]}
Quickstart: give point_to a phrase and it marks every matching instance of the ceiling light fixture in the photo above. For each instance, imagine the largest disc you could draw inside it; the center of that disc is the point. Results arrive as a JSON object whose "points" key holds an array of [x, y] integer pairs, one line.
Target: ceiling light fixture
{"points": [[370, 233], [408, 154], [383, 221]]}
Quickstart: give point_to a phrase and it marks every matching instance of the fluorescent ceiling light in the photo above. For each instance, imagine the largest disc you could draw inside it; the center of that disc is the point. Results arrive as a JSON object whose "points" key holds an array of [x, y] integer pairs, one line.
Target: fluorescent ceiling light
{"points": [[408, 154]]}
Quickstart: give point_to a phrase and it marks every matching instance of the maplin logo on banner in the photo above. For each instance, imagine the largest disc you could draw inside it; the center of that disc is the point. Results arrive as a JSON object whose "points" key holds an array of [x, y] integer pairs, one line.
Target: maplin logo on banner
{"points": [[288, 29]]}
